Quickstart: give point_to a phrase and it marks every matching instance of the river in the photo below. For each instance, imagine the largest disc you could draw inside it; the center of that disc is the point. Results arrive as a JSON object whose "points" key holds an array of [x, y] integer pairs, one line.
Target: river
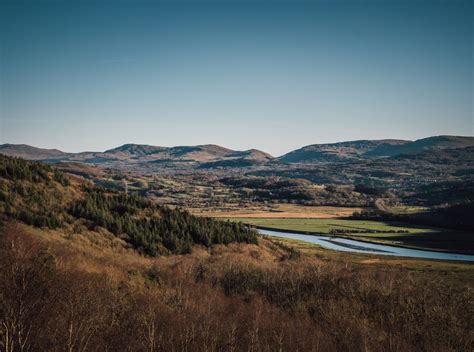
{"points": [[354, 246]]}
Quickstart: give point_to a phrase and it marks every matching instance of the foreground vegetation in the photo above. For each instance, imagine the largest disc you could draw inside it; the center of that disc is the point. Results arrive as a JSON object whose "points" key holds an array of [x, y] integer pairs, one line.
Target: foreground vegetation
{"points": [[88, 292]]}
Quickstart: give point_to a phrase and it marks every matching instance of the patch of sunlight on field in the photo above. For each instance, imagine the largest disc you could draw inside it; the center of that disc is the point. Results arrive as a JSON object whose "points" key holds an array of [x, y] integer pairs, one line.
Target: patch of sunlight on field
{"points": [[404, 209], [326, 225]]}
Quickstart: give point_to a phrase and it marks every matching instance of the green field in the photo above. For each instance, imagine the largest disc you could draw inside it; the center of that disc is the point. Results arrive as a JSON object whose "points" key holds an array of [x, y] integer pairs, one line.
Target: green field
{"points": [[325, 226], [404, 209]]}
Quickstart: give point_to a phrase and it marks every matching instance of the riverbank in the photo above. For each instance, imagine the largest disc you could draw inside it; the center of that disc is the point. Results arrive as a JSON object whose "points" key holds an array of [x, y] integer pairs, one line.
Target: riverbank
{"points": [[354, 246], [371, 240], [379, 232]]}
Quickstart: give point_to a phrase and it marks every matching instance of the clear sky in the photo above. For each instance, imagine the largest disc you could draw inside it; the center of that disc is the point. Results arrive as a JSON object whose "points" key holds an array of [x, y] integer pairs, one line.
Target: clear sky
{"points": [[274, 75]]}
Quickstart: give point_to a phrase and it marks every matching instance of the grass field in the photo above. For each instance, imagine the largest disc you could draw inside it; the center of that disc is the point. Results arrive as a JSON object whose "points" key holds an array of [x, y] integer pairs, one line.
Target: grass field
{"points": [[325, 226], [404, 209]]}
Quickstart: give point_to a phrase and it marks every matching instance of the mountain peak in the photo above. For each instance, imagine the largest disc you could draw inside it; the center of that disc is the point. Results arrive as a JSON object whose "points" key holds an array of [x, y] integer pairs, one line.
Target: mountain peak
{"points": [[252, 154], [29, 152], [135, 149]]}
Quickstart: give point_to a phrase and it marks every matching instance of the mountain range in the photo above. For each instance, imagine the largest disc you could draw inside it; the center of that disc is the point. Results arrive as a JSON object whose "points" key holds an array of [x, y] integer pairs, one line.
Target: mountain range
{"points": [[214, 156]]}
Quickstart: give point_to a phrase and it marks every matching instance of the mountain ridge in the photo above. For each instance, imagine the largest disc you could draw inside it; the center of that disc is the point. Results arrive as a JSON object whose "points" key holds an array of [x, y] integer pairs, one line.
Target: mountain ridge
{"points": [[362, 149], [26, 151], [336, 151], [212, 155]]}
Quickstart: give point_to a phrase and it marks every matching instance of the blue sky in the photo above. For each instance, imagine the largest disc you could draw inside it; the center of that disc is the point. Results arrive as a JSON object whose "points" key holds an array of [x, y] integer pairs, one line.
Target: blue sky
{"points": [[273, 75]]}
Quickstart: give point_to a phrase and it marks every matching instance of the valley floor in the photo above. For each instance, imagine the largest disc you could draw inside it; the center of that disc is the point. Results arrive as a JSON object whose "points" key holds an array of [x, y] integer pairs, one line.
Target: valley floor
{"points": [[332, 220]]}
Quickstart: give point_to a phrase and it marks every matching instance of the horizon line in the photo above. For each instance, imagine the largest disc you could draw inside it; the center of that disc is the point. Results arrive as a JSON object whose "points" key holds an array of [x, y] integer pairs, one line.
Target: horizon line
{"points": [[236, 150]]}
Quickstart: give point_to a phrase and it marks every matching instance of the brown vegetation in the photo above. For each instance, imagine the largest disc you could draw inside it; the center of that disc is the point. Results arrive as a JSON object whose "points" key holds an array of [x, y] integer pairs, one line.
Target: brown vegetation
{"points": [[84, 293], [277, 211]]}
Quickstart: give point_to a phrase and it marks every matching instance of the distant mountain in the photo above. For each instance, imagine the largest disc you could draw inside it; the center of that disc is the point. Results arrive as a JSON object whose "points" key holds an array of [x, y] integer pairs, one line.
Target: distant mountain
{"points": [[138, 153], [438, 156], [253, 154], [150, 153], [337, 151], [353, 150], [134, 150], [421, 145], [210, 156], [199, 153], [31, 153], [247, 158]]}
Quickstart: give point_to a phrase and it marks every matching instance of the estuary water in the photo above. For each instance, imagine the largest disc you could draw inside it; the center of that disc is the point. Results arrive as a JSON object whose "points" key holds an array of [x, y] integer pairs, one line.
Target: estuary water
{"points": [[349, 245]]}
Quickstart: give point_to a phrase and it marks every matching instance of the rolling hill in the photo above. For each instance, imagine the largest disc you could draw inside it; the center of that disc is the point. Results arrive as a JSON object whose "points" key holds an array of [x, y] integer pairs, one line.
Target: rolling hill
{"points": [[211, 156], [422, 145], [247, 158], [337, 151], [364, 149], [135, 153], [134, 150], [31, 153]]}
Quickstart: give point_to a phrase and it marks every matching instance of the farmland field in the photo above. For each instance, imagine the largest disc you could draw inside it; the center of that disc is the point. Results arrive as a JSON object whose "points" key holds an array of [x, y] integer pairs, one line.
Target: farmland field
{"points": [[324, 226]]}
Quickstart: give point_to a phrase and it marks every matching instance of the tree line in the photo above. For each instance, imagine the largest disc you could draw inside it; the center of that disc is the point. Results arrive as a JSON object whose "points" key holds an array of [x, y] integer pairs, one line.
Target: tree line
{"points": [[154, 229]]}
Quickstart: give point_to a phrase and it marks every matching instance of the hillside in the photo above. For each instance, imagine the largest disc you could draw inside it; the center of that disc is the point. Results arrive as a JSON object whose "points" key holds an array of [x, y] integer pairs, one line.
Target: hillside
{"points": [[245, 159], [334, 152], [252, 154], [200, 153], [89, 291], [421, 145], [137, 153], [31, 153], [356, 150], [42, 196], [134, 150], [462, 155]]}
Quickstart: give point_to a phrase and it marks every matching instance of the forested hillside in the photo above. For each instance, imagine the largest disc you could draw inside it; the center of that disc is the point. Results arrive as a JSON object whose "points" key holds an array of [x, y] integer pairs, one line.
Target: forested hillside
{"points": [[39, 195], [155, 229]]}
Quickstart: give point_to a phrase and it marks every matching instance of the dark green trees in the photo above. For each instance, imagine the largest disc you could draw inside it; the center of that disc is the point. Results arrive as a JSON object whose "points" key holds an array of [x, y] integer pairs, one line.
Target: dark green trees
{"points": [[154, 229]]}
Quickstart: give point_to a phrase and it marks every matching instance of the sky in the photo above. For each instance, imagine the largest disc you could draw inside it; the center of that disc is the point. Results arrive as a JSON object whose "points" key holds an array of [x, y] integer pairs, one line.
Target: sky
{"points": [[273, 75]]}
